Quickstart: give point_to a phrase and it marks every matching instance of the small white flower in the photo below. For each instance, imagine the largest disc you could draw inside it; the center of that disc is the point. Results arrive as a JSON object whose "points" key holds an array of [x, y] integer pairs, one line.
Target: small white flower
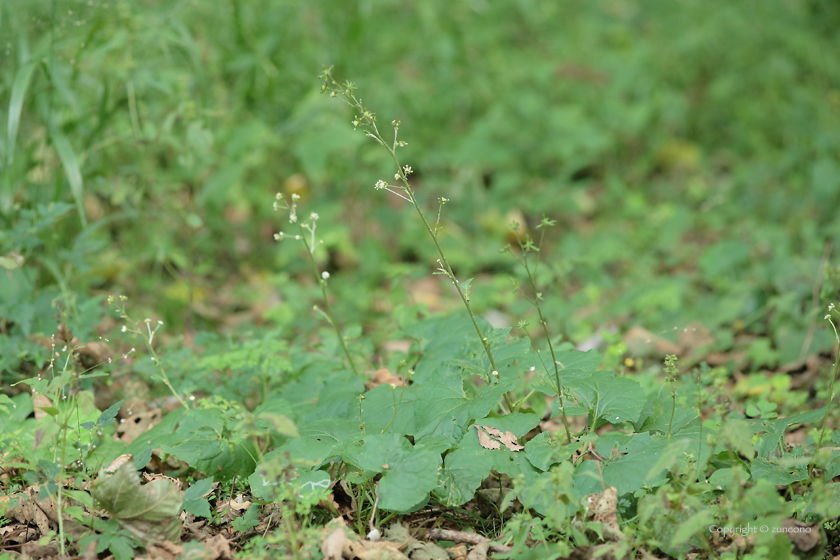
{"points": [[494, 373], [314, 216], [380, 184], [397, 176], [160, 323], [830, 306], [325, 275], [401, 143], [279, 236], [124, 328], [407, 170], [827, 316], [295, 196], [533, 368]]}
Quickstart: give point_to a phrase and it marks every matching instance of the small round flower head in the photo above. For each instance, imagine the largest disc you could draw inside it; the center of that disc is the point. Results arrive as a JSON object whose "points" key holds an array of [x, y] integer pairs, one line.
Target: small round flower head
{"points": [[494, 373], [295, 196], [314, 216], [397, 176], [279, 235], [325, 275], [380, 184], [407, 170]]}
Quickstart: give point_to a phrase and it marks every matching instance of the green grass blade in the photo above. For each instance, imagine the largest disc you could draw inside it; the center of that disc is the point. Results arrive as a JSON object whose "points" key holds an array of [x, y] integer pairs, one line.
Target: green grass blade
{"points": [[21, 83], [71, 168]]}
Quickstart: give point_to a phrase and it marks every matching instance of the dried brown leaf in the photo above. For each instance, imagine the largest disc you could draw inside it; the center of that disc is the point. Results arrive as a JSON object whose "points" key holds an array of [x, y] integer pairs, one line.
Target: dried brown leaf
{"points": [[333, 546], [508, 439], [485, 441], [603, 508], [137, 424]]}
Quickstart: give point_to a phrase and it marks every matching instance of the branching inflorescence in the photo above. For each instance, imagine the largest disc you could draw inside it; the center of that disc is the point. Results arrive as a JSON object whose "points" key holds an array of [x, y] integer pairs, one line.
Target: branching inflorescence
{"points": [[366, 121]]}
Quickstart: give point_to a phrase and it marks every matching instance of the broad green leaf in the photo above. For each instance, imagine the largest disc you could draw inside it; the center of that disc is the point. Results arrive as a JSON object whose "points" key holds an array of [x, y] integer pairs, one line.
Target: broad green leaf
{"points": [[194, 501], [71, 169], [721, 478], [628, 472], [466, 467], [547, 449], [409, 472], [204, 443], [607, 397], [572, 365], [392, 408], [444, 409], [657, 413], [19, 87], [441, 340], [321, 440], [785, 470], [149, 511]]}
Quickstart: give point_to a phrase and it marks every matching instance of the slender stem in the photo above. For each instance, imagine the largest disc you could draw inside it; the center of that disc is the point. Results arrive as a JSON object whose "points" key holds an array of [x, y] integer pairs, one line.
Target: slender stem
{"points": [[536, 303], [831, 388], [323, 284], [369, 120], [673, 409]]}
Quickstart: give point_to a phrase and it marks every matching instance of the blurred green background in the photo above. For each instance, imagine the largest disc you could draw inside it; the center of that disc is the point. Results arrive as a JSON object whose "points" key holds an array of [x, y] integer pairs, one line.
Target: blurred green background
{"points": [[689, 150]]}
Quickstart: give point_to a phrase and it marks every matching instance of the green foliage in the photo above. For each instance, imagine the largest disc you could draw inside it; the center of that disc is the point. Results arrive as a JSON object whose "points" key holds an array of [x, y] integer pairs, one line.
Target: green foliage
{"points": [[692, 199]]}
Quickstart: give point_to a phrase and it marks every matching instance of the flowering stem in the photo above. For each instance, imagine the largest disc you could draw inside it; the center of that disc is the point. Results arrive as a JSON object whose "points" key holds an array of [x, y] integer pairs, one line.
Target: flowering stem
{"points": [[833, 379], [310, 248], [536, 303], [368, 119]]}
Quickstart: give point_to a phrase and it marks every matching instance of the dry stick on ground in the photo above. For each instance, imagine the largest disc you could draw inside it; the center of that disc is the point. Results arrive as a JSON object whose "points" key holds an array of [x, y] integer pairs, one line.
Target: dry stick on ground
{"points": [[479, 551], [464, 537]]}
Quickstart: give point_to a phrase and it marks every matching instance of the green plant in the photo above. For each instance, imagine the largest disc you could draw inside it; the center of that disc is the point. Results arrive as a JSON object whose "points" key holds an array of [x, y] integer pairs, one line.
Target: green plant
{"points": [[367, 121], [526, 246], [307, 237]]}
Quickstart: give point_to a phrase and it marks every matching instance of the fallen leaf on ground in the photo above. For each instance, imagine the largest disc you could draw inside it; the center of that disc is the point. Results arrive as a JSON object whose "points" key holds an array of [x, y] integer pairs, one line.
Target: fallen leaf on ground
{"points": [[479, 551], [603, 508], [804, 536], [149, 511], [137, 424], [383, 377], [333, 546], [642, 342], [414, 549]]}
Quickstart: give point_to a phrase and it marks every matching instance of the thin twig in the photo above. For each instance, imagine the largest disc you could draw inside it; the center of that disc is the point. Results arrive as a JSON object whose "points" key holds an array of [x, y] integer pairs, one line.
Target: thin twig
{"points": [[463, 537]]}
